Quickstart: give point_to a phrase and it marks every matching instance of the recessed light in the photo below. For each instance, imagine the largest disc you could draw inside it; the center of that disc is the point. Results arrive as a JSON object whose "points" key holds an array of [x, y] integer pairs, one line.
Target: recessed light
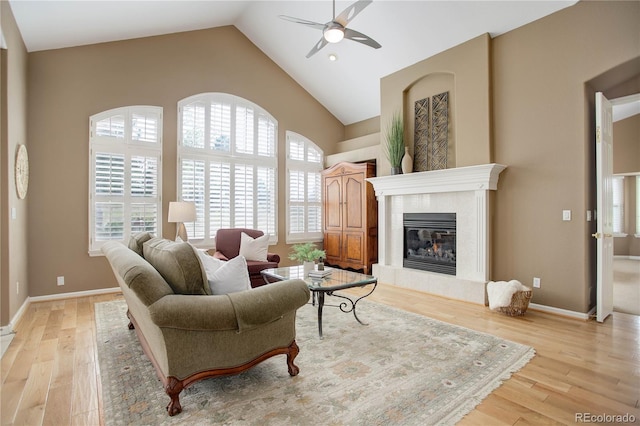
{"points": [[333, 57]]}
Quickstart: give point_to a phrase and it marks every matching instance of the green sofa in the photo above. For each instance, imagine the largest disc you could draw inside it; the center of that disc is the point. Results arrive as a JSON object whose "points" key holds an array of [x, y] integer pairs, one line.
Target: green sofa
{"points": [[190, 335]]}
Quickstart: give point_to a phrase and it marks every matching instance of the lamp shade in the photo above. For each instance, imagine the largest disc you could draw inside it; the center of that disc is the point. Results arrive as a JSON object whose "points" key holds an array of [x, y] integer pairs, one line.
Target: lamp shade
{"points": [[182, 211]]}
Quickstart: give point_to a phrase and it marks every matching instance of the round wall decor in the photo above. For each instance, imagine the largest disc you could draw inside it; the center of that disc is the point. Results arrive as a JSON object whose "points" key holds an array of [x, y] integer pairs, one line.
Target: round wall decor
{"points": [[22, 171]]}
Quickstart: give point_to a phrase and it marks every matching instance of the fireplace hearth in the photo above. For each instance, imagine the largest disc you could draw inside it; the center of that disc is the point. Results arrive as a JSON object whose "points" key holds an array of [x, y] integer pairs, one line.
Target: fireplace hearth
{"points": [[430, 242]]}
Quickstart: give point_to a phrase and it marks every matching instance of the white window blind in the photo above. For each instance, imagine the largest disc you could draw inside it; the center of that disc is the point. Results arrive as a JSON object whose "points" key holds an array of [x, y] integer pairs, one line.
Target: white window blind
{"points": [[618, 204], [230, 173], [125, 174], [304, 194]]}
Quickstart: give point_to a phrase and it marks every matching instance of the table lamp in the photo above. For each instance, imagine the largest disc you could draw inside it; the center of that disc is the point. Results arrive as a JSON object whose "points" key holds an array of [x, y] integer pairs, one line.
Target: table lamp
{"points": [[181, 212]]}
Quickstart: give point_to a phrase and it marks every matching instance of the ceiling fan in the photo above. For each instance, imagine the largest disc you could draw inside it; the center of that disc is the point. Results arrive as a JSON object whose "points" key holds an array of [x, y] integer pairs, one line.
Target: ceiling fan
{"points": [[336, 29]]}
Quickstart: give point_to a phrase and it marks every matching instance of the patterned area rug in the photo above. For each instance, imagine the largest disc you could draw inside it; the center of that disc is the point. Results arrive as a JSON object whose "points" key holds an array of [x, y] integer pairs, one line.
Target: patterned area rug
{"points": [[402, 368]]}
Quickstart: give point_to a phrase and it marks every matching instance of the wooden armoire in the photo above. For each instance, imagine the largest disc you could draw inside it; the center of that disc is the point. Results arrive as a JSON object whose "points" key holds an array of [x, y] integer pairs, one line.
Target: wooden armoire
{"points": [[350, 216]]}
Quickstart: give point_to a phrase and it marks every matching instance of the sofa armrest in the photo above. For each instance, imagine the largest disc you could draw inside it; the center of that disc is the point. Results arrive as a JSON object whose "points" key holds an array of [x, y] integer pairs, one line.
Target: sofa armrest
{"points": [[273, 257], [236, 311], [268, 303]]}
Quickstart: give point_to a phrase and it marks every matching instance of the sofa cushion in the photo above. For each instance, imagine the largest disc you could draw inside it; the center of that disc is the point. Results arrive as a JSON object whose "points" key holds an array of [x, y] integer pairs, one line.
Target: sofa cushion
{"points": [[137, 240], [254, 248], [178, 264], [145, 281]]}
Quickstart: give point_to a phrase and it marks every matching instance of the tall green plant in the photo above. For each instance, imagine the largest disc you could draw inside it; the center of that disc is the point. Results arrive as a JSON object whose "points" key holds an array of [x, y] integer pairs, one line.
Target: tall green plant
{"points": [[395, 140]]}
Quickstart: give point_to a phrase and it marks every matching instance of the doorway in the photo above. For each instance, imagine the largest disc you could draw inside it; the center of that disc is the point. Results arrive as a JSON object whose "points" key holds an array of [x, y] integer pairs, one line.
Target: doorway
{"points": [[625, 259]]}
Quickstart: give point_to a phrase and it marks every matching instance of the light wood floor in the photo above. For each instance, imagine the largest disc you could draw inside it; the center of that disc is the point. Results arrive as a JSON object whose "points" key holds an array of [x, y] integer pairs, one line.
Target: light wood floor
{"points": [[50, 372]]}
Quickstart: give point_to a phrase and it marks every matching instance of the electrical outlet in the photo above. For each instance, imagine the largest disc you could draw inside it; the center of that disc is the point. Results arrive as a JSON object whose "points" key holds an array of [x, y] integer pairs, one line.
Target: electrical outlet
{"points": [[536, 282], [60, 281]]}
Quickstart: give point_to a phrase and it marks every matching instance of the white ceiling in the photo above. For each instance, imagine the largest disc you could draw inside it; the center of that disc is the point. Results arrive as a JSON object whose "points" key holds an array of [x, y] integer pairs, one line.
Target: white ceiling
{"points": [[409, 31]]}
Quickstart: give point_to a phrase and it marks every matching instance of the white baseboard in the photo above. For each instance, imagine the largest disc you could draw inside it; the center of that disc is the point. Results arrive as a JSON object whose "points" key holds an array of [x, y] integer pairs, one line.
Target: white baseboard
{"points": [[74, 294], [562, 312], [624, 256], [16, 318]]}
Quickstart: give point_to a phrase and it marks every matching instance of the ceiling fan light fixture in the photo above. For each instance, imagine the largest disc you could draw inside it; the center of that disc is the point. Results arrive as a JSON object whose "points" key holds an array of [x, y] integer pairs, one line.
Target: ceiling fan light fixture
{"points": [[334, 33]]}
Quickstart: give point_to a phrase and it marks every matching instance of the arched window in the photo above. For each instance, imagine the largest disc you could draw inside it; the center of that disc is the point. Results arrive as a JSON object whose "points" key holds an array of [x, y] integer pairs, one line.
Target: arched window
{"points": [[126, 170], [304, 193], [227, 165]]}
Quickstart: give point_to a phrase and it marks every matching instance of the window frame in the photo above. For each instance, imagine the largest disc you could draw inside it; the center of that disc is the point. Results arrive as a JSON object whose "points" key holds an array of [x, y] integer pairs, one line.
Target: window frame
{"points": [[234, 157], [128, 147], [306, 167]]}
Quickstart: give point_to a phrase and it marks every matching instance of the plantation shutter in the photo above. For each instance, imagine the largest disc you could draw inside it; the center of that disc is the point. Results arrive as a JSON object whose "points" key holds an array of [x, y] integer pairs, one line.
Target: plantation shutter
{"points": [[231, 175], [193, 189], [304, 194], [125, 174]]}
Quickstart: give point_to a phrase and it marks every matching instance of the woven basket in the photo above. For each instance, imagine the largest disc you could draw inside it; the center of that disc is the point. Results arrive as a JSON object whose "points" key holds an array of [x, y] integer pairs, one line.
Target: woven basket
{"points": [[519, 304]]}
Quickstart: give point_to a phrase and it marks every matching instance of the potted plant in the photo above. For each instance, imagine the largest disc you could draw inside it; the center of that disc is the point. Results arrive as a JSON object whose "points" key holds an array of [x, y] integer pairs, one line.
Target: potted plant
{"points": [[395, 143], [307, 253]]}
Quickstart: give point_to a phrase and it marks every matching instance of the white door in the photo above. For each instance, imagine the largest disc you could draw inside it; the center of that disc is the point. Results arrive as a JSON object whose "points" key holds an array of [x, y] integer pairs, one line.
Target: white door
{"points": [[604, 203]]}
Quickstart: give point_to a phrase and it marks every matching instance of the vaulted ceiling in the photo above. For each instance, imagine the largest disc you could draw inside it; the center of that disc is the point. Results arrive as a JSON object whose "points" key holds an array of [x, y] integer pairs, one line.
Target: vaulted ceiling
{"points": [[409, 31]]}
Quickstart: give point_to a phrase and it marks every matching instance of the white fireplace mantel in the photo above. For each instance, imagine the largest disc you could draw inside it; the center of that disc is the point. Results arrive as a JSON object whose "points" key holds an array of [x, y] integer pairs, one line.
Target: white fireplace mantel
{"points": [[470, 178], [461, 190]]}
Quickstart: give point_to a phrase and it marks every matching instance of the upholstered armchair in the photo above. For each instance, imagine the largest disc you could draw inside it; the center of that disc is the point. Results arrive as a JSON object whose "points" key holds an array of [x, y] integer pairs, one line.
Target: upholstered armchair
{"points": [[228, 243]]}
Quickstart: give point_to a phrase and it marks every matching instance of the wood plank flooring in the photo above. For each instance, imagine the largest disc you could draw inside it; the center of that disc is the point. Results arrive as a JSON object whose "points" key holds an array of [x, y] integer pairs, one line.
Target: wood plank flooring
{"points": [[50, 372]]}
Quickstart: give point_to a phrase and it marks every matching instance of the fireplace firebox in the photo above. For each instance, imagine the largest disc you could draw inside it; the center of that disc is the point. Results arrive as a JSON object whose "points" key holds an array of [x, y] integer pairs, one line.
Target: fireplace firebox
{"points": [[430, 242]]}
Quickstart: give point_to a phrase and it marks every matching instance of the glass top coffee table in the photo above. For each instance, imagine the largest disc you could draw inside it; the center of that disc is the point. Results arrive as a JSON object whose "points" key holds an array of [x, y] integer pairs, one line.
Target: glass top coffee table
{"points": [[339, 279]]}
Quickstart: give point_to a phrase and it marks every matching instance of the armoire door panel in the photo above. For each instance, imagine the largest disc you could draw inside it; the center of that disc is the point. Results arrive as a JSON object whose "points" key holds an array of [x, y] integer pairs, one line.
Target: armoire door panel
{"points": [[354, 247], [333, 245], [333, 203], [353, 187]]}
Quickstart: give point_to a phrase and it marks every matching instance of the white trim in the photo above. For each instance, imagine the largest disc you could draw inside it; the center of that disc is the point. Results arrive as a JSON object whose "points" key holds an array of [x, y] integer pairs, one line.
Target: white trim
{"points": [[8, 329], [74, 294], [562, 312], [471, 178], [626, 257], [16, 318]]}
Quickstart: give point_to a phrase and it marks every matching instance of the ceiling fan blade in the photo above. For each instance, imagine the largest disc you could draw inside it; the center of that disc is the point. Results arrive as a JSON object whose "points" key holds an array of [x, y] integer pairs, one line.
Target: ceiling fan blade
{"points": [[361, 38], [303, 22], [319, 45], [350, 12]]}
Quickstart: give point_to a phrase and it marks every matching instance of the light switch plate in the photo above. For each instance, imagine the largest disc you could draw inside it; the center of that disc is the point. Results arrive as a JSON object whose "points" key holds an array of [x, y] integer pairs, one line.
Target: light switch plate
{"points": [[566, 214]]}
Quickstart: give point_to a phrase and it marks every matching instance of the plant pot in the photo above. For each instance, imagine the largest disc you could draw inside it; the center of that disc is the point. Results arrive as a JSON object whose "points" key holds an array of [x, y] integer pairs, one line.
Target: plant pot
{"points": [[396, 170], [307, 266]]}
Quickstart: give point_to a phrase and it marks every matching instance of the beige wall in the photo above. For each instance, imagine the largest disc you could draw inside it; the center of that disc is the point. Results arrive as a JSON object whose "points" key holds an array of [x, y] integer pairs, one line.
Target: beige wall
{"points": [[469, 63], [69, 85], [13, 235], [543, 131], [626, 145], [523, 99]]}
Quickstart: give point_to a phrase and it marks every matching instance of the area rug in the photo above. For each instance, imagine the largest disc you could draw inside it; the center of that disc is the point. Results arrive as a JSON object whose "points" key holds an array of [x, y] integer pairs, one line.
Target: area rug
{"points": [[401, 369]]}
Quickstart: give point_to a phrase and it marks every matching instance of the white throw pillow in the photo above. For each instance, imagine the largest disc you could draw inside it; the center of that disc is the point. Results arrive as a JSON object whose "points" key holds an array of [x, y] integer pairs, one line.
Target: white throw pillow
{"points": [[254, 248], [232, 276], [210, 263]]}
